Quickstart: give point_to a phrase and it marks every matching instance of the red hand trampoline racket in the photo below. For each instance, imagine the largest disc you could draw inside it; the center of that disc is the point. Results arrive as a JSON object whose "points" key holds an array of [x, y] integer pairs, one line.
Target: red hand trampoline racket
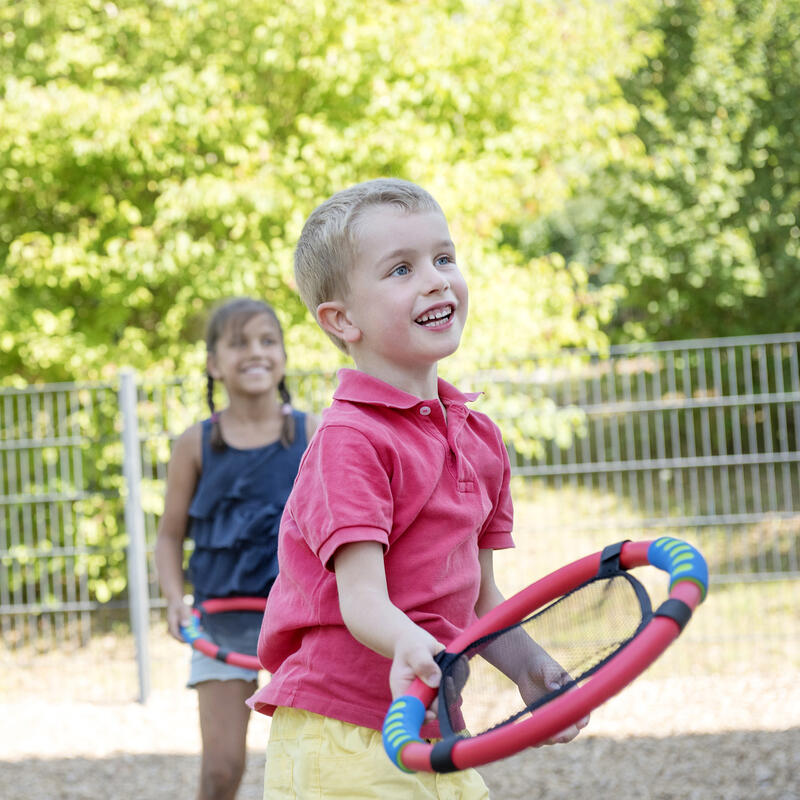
{"points": [[199, 632], [592, 617]]}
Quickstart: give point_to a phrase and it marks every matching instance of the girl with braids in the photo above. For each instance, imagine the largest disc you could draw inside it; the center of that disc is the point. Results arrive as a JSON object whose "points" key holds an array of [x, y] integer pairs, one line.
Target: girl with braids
{"points": [[228, 480]]}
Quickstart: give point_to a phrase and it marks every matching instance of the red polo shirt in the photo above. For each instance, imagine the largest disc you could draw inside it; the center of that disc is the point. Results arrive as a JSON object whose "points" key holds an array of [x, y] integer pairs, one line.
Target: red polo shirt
{"points": [[383, 466]]}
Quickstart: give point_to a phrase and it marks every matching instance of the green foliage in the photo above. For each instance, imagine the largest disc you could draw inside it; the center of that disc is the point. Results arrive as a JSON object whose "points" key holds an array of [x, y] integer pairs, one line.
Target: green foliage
{"points": [[158, 157], [698, 215]]}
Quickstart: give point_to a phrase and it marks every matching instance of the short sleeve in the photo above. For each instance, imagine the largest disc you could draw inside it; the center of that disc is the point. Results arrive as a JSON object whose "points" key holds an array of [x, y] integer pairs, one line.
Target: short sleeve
{"points": [[343, 493], [496, 532]]}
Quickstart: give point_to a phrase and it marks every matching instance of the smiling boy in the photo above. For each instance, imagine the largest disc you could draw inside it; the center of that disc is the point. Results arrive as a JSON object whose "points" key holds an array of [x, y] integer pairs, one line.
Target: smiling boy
{"points": [[386, 544]]}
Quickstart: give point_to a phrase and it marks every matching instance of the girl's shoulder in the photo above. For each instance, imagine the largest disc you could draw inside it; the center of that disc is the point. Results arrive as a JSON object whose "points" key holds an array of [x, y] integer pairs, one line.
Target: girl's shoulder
{"points": [[193, 433], [188, 447]]}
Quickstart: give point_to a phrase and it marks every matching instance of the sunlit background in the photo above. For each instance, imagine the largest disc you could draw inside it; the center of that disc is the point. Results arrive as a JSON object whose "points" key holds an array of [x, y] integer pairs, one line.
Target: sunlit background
{"points": [[622, 181]]}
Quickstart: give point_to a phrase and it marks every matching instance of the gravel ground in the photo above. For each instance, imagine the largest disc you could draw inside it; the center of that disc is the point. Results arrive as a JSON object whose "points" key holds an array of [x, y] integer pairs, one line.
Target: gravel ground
{"points": [[682, 739]]}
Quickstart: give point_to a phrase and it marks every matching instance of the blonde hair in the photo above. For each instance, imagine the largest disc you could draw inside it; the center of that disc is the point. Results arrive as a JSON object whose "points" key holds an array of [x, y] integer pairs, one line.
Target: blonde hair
{"points": [[327, 246]]}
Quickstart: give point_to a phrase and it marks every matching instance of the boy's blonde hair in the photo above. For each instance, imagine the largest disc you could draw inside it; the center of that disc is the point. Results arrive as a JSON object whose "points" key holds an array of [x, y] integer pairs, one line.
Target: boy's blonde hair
{"points": [[328, 243]]}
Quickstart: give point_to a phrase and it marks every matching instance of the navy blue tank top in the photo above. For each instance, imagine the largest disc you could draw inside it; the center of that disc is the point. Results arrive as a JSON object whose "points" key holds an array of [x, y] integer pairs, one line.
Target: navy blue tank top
{"points": [[235, 514]]}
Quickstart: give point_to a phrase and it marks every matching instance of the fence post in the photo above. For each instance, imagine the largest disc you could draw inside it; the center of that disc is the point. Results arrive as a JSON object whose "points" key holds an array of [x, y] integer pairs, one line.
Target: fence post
{"points": [[138, 594]]}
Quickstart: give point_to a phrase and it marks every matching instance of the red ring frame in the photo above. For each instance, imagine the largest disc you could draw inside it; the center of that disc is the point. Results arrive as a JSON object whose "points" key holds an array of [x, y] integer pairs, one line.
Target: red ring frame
{"points": [[572, 706], [217, 605]]}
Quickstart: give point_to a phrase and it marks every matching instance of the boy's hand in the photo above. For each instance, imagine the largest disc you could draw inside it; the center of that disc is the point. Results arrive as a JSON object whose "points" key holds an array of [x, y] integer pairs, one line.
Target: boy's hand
{"points": [[545, 675], [413, 658]]}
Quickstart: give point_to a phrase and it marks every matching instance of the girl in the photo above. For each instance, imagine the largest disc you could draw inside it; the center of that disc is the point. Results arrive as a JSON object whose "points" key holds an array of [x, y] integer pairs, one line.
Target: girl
{"points": [[227, 482]]}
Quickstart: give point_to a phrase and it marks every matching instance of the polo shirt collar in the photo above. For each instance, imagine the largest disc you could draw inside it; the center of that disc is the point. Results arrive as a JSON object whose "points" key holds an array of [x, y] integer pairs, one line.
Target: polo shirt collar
{"points": [[358, 387]]}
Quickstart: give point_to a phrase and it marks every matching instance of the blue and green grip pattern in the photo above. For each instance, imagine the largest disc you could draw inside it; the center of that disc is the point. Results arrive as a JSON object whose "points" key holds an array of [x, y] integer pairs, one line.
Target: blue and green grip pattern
{"points": [[402, 725], [682, 561], [191, 631]]}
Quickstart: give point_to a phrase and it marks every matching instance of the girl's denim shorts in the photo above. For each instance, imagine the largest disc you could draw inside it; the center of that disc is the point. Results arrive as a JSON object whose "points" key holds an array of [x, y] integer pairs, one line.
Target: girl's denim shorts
{"points": [[234, 631]]}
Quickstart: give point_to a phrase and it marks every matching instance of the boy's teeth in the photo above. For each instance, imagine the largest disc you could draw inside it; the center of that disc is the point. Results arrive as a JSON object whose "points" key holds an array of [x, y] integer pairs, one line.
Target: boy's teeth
{"points": [[434, 315]]}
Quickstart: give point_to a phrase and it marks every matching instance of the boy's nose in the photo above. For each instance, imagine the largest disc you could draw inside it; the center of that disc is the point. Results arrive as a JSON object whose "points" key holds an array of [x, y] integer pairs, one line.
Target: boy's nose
{"points": [[436, 281]]}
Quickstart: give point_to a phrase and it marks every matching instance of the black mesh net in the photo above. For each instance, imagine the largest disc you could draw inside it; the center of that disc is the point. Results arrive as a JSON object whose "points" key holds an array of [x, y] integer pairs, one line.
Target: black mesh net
{"points": [[581, 631]]}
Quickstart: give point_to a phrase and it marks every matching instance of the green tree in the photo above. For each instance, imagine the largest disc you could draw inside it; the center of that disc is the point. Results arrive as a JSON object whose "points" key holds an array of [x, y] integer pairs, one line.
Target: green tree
{"points": [[158, 157], [698, 215]]}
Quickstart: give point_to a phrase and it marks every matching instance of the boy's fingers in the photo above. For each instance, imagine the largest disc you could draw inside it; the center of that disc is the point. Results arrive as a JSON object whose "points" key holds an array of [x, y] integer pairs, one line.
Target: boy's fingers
{"points": [[565, 736], [426, 669], [555, 678], [430, 675]]}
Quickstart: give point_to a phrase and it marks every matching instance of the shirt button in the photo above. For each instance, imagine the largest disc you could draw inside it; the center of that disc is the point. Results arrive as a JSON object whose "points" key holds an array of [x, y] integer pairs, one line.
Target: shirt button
{"points": [[425, 410]]}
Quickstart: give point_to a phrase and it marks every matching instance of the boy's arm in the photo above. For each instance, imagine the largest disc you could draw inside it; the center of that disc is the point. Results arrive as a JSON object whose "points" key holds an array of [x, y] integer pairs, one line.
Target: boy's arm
{"points": [[377, 623], [489, 595], [531, 668]]}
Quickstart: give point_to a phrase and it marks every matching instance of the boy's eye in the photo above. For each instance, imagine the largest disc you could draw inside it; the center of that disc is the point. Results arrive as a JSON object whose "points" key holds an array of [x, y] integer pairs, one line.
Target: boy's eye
{"points": [[400, 269], [444, 260]]}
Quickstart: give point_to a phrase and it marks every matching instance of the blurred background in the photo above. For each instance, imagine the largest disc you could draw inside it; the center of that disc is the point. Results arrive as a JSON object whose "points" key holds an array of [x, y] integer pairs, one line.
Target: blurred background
{"points": [[622, 181], [612, 171]]}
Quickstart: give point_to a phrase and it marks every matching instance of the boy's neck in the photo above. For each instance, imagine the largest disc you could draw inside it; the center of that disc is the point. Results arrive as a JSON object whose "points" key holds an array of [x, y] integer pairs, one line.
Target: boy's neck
{"points": [[423, 383]]}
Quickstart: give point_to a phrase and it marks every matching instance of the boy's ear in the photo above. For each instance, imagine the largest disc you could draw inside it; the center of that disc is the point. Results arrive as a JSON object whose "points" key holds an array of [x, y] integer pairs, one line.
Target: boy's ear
{"points": [[334, 318]]}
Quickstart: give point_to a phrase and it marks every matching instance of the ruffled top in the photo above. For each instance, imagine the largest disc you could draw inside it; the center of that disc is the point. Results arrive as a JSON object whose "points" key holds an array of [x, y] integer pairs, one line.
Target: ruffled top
{"points": [[235, 515]]}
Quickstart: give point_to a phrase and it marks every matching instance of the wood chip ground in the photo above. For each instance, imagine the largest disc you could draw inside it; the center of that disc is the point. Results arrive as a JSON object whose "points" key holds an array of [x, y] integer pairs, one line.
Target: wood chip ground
{"points": [[680, 739]]}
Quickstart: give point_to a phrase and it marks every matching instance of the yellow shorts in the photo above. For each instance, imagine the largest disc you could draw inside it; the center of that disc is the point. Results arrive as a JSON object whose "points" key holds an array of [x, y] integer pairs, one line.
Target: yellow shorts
{"points": [[311, 757]]}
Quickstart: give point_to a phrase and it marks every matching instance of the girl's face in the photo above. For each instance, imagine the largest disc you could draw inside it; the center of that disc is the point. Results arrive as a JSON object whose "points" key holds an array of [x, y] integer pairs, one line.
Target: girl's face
{"points": [[249, 357]]}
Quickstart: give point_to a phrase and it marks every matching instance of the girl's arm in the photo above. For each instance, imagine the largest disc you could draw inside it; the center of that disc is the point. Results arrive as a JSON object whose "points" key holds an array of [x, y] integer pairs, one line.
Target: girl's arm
{"points": [[183, 472], [377, 623]]}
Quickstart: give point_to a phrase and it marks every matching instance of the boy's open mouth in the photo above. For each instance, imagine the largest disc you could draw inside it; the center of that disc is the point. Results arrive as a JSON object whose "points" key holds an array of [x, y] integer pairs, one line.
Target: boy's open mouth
{"points": [[436, 317]]}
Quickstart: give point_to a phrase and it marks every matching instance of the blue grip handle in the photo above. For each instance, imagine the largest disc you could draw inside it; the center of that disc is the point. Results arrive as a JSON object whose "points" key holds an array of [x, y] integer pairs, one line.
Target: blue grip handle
{"points": [[191, 631], [682, 561], [402, 725]]}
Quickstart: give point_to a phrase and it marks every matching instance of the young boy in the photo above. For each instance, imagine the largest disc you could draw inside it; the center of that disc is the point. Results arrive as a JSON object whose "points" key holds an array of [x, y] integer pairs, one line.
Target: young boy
{"points": [[385, 547]]}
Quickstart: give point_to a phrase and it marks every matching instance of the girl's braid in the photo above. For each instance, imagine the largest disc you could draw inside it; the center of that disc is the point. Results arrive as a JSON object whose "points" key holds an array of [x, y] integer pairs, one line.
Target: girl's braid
{"points": [[287, 428], [217, 442]]}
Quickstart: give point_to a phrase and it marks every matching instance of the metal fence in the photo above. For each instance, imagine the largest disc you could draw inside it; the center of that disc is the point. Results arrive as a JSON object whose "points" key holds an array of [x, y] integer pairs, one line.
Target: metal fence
{"points": [[696, 439], [51, 520], [700, 439], [689, 436]]}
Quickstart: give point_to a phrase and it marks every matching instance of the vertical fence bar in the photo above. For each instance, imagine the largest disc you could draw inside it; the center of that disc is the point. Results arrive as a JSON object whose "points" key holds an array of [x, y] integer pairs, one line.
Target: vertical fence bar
{"points": [[710, 505], [783, 431], [794, 372], [76, 409], [644, 502], [134, 522]]}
